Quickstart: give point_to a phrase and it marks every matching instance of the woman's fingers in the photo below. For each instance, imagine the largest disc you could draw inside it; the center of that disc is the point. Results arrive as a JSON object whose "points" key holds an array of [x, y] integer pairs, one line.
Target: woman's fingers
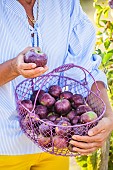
{"points": [[28, 70], [88, 144], [34, 72]]}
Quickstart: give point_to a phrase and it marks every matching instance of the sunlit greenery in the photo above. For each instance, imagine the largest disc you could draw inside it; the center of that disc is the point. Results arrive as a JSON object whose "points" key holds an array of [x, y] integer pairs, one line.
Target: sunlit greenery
{"points": [[103, 18]]}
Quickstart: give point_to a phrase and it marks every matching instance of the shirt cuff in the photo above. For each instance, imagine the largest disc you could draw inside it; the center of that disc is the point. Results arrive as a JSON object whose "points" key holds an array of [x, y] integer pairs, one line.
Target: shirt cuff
{"points": [[98, 75]]}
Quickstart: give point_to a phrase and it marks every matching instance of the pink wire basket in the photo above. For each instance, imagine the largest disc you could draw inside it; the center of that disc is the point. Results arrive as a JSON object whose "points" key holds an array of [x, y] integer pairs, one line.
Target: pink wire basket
{"points": [[53, 134]]}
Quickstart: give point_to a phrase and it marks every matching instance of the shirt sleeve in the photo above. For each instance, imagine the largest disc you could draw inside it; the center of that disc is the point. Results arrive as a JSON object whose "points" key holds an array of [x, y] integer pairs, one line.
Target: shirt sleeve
{"points": [[81, 48]]}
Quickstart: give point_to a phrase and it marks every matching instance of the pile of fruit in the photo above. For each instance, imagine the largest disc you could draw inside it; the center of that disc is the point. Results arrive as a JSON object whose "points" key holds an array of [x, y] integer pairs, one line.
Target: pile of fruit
{"points": [[56, 114]]}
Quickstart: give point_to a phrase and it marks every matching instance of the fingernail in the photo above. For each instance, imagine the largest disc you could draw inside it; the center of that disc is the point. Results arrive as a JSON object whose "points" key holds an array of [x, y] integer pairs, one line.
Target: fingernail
{"points": [[41, 69], [33, 65], [90, 133], [74, 137]]}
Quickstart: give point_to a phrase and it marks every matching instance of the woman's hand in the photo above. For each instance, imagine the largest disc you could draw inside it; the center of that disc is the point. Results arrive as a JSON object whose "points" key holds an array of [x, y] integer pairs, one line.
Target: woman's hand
{"points": [[27, 70], [85, 145]]}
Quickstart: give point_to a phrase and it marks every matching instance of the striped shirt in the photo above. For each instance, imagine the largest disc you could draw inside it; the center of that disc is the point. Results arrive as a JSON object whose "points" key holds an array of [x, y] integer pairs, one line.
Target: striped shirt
{"points": [[64, 33]]}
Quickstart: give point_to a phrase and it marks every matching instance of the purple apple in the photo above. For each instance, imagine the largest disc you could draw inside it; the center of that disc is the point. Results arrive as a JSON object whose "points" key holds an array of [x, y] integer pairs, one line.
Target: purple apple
{"points": [[44, 141], [82, 109], [71, 114], [55, 90], [47, 100], [27, 104], [52, 117], [76, 100], [66, 95], [75, 120], [62, 107], [30, 125], [37, 57], [46, 129], [61, 118], [88, 117], [62, 128], [38, 93], [59, 142], [41, 111]]}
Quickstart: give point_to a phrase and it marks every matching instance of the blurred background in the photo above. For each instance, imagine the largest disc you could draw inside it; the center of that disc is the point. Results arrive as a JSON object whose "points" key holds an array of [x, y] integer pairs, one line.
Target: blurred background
{"points": [[87, 6], [103, 23]]}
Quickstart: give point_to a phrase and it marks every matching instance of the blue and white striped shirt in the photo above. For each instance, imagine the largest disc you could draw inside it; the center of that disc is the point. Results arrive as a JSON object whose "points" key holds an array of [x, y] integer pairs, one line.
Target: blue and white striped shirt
{"points": [[65, 34]]}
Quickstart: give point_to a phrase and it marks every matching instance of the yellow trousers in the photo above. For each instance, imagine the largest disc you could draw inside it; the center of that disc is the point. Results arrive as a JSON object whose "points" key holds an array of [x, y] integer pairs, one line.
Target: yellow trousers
{"points": [[40, 161]]}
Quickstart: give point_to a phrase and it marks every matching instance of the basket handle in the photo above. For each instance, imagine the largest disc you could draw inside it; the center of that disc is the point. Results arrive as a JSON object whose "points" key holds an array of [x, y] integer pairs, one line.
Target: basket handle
{"points": [[71, 65], [62, 69]]}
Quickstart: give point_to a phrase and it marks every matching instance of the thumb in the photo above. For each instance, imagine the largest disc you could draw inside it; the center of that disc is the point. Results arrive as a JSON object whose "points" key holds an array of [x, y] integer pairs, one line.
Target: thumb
{"points": [[97, 129]]}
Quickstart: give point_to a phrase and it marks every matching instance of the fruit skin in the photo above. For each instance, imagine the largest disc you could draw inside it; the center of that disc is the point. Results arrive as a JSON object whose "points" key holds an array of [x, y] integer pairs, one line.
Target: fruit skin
{"points": [[59, 142], [76, 100], [52, 117], [62, 129], [61, 118], [28, 104], [75, 120], [55, 90], [88, 117], [46, 128], [41, 111], [47, 100], [44, 141], [37, 57], [71, 115], [66, 95], [82, 109], [33, 96], [62, 107]]}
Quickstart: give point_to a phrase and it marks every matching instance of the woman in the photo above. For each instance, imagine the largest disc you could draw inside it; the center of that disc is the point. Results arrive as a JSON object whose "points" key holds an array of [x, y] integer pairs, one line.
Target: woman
{"points": [[62, 31]]}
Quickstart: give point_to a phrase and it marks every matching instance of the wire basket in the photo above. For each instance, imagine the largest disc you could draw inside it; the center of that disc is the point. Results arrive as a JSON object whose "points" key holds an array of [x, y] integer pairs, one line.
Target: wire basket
{"points": [[53, 136]]}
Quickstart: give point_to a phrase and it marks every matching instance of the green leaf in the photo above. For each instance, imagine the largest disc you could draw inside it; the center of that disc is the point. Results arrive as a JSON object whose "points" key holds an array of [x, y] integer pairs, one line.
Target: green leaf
{"points": [[110, 51], [97, 18], [104, 21], [107, 44], [107, 57], [97, 6], [106, 11], [99, 33]]}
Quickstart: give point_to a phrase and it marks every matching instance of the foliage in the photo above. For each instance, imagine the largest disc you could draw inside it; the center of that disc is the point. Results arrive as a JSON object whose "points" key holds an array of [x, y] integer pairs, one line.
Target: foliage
{"points": [[104, 43], [104, 47], [90, 162]]}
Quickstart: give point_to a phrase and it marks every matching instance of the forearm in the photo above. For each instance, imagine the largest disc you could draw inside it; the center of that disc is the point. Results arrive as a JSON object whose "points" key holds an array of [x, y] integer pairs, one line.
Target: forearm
{"points": [[104, 97], [7, 71]]}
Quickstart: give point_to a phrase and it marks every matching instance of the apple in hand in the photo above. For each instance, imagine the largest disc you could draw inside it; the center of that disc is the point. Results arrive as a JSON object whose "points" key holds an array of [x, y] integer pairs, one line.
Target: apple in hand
{"points": [[37, 57]]}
